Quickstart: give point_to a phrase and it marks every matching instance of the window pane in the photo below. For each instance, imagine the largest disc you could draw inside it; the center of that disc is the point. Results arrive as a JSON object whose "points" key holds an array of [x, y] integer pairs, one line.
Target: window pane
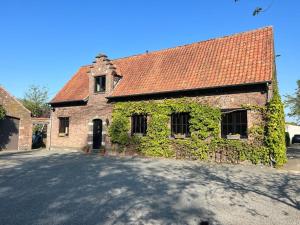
{"points": [[229, 117], [244, 117], [237, 116], [234, 123], [230, 129], [244, 130], [97, 84], [224, 130], [138, 124], [180, 123], [100, 84], [63, 125], [237, 129]]}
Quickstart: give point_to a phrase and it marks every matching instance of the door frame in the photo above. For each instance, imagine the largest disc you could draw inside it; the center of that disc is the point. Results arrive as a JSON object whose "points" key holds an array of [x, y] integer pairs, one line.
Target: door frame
{"points": [[99, 135]]}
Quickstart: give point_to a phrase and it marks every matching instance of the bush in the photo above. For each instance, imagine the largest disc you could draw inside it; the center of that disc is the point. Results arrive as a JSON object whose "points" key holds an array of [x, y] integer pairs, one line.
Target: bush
{"points": [[275, 129], [119, 129], [287, 139], [2, 112]]}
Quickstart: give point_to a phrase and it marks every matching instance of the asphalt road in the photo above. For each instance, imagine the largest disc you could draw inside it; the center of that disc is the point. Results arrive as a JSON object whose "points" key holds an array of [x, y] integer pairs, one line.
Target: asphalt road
{"points": [[45, 187], [293, 155], [293, 151]]}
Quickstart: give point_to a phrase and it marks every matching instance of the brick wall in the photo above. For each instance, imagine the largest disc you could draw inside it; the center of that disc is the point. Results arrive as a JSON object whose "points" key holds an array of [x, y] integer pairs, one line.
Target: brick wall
{"points": [[80, 125], [232, 101], [97, 107], [15, 109], [81, 117]]}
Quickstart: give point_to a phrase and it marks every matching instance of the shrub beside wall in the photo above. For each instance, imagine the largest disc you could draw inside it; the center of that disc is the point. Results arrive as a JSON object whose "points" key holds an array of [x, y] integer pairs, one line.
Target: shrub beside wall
{"points": [[2, 112], [275, 128]]}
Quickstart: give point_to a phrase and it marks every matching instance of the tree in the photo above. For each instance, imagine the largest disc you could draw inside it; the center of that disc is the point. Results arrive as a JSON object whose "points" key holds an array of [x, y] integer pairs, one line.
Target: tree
{"points": [[2, 112], [293, 102], [275, 127], [35, 99]]}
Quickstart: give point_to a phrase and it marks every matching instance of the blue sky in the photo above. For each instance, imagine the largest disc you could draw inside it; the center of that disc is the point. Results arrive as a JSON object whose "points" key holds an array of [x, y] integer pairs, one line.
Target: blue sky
{"points": [[45, 42]]}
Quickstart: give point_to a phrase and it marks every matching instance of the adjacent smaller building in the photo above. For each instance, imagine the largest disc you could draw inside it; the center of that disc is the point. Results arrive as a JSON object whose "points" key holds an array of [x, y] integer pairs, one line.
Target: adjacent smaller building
{"points": [[16, 127], [292, 130]]}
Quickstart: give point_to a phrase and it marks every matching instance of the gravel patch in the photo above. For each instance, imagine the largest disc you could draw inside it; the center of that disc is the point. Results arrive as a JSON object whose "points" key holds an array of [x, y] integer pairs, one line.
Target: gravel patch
{"points": [[69, 187]]}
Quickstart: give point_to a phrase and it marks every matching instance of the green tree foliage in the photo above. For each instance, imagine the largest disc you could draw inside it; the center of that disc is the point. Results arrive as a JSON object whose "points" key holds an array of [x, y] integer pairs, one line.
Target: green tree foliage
{"points": [[275, 128], [2, 112], [293, 102], [287, 139], [35, 100]]}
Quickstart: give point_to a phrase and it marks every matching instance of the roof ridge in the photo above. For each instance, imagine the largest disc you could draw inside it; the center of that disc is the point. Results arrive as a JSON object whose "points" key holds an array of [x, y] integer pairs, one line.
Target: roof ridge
{"points": [[194, 43]]}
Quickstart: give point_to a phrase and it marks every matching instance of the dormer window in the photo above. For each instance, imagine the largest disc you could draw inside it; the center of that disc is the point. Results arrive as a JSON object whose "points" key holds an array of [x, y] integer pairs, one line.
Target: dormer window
{"points": [[100, 84], [116, 80]]}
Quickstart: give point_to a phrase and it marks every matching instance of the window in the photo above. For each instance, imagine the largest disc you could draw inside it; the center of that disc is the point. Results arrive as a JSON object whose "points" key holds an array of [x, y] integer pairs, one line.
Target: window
{"points": [[64, 126], [116, 80], [180, 124], [234, 123], [138, 124], [100, 84]]}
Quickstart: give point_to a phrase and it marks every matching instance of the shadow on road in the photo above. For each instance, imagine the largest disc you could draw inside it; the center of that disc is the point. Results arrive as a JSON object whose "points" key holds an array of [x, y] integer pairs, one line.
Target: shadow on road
{"points": [[86, 189]]}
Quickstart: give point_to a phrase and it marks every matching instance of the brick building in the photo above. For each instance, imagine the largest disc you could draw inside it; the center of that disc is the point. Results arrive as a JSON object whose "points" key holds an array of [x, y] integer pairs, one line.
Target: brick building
{"points": [[226, 72], [16, 127]]}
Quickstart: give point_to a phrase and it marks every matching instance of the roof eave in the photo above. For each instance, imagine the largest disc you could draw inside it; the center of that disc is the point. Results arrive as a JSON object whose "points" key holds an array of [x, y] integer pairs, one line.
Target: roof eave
{"points": [[185, 90], [67, 101]]}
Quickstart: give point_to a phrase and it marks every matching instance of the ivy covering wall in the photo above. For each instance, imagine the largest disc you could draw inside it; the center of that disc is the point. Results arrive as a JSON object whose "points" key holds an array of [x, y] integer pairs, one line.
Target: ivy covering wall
{"points": [[205, 142], [204, 124], [275, 128]]}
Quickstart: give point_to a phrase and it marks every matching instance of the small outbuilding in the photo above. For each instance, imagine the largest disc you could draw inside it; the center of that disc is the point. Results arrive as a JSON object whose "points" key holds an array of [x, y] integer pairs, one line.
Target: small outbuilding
{"points": [[16, 126]]}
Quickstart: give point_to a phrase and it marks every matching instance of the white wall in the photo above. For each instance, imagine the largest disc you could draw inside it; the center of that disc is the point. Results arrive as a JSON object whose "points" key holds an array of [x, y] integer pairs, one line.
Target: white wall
{"points": [[292, 130]]}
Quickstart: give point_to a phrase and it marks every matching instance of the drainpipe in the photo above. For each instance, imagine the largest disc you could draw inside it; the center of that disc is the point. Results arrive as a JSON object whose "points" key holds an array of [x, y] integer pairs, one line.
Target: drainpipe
{"points": [[269, 92], [49, 147]]}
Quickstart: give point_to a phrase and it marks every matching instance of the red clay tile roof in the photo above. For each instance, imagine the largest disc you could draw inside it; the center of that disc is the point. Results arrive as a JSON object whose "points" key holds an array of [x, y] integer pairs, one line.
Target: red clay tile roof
{"points": [[232, 60], [243, 58], [77, 89]]}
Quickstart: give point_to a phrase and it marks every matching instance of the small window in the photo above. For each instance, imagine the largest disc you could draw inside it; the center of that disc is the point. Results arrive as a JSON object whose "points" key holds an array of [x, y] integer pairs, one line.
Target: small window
{"points": [[116, 80], [234, 123], [138, 124], [100, 84], [64, 126], [180, 124]]}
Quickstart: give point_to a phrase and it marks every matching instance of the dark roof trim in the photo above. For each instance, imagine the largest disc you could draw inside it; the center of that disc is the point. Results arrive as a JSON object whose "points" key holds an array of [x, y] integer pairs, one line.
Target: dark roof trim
{"points": [[69, 103], [230, 110], [188, 90]]}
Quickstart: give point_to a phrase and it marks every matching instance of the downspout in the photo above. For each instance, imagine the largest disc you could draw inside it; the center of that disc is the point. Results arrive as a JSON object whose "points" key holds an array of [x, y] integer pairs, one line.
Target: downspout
{"points": [[269, 89], [49, 147]]}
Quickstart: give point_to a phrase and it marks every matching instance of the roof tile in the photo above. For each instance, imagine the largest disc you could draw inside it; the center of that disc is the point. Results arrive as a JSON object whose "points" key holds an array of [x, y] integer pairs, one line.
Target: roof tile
{"points": [[76, 89], [242, 58]]}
